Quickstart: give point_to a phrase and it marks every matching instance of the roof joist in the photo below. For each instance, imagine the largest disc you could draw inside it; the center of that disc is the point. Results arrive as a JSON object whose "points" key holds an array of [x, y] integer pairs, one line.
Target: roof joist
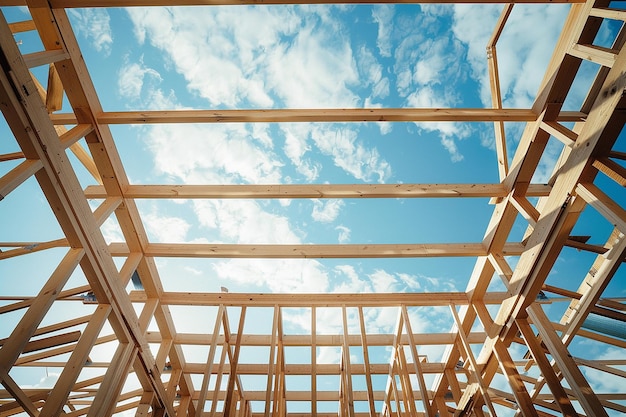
{"points": [[316, 191], [270, 251], [317, 116]]}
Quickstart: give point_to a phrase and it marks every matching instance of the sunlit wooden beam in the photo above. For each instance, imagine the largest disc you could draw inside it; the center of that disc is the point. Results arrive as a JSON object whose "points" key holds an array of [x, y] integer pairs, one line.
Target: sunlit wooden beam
{"points": [[316, 191], [201, 250], [317, 115]]}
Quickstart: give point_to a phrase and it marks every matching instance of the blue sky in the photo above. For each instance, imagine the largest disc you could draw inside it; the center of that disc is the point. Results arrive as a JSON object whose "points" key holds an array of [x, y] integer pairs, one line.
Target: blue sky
{"points": [[304, 57]]}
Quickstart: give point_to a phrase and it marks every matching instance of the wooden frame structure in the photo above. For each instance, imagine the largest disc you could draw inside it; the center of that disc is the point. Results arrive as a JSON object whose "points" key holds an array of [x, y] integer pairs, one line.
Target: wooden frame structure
{"points": [[170, 384]]}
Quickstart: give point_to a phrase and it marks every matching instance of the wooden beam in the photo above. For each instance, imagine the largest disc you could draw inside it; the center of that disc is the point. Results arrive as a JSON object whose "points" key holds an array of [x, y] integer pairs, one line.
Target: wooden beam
{"points": [[36, 59], [56, 401], [11, 156], [605, 205], [271, 363], [39, 307], [577, 382], [612, 170], [318, 300], [314, 365], [234, 363], [496, 94], [599, 55], [418, 250], [317, 115], [220, 373], [209, 364], [366, 363], [523, 400], [52, 341], [16, 392], [108, 394], [538, 353], [33, 247], [316, 191], [563, 134], [346, 373], [419, 374], [320, 369], [15, 177], [54, 93], [469, 355], [22, 26]]}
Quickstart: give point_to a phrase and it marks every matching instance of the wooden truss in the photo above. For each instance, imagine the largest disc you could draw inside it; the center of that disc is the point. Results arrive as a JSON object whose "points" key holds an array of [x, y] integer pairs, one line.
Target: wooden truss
{"points": [[149, 348]]}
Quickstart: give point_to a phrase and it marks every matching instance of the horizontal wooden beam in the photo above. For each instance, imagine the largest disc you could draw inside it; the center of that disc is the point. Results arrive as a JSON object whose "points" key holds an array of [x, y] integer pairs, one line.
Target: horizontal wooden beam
{"points": [[317, 115], [304, 340], [317, 191], [11, 156], [322, 395], [50, 342], [317, 299], [417, 250], [307, 369]]}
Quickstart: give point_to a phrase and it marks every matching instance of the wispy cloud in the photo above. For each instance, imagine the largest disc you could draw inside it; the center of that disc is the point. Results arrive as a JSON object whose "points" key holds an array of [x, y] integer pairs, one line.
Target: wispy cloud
{"points": [[232, 56], [326, 211], [383, 15], [166, 228], [278, 275], [132, 77], [214, 154], [95, 25], [349, 154], [338, 141], [344, 234]]}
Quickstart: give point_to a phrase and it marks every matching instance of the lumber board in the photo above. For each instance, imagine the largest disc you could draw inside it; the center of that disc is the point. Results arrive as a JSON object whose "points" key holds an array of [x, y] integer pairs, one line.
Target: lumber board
{"points": [[316, 115], [186, 191], [270, 251]]}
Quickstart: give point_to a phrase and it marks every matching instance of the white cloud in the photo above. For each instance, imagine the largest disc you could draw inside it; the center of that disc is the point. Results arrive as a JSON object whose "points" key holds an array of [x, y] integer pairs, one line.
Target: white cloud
{"points": [[344, 234], [255, 54], [349, 154], [213, 154], [316, 70], [131, 79], [347, 280], [166, 229], [296, 145], [383, 15], [244, 221], [94, 24], [279, 275], [341, 143], [111, 230], [372, 73], [383, 281], [192, 270], [326, 211]]}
